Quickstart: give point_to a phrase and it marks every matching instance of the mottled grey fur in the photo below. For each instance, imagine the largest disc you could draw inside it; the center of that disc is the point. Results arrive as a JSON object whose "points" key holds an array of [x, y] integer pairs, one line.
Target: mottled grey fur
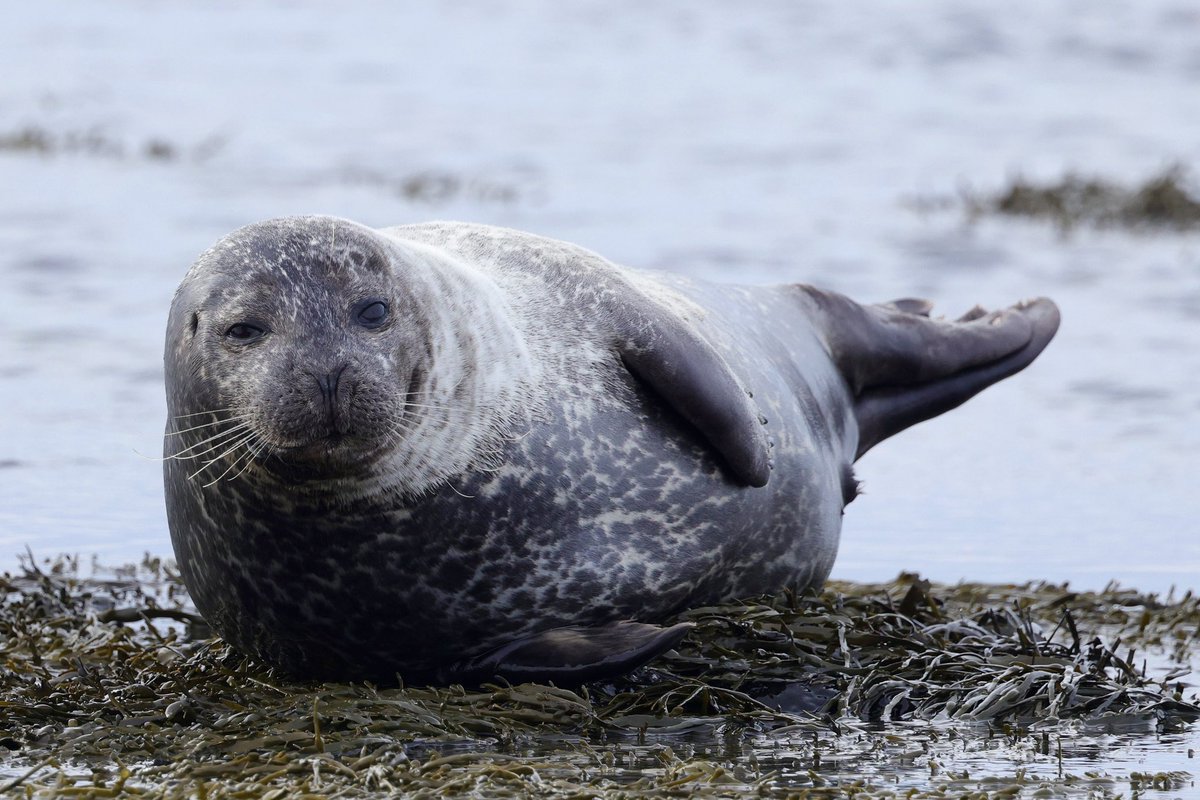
{"points": [[536, 445]]}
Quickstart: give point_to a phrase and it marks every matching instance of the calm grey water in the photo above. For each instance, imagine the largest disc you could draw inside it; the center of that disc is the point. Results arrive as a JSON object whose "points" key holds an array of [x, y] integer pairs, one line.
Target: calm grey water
{"points": [[772, 142]]}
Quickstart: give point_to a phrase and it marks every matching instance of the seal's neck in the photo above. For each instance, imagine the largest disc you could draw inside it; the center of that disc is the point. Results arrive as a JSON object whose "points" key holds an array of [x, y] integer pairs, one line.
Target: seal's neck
{"points": [[472, 390]]}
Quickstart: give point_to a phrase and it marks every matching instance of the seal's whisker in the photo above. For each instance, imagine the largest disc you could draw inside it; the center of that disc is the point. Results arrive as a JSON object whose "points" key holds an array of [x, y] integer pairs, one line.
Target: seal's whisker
{"points": [[230, 449], [430, 396], [209, 424], [516, 438], [445, 413], [401, 427], [210, 411], [223, 474], [235, 461], [460, 494], [226, 444], [408, 423], [245, 465], [444, 420], [396, 429], [410, 426], [213, 442], [255, 449], [466, 426], [431, 402], [434, 406]]}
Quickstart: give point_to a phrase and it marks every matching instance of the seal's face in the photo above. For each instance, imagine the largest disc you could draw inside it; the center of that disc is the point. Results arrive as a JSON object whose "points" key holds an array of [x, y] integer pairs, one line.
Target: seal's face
{"points": [[308, 342]]}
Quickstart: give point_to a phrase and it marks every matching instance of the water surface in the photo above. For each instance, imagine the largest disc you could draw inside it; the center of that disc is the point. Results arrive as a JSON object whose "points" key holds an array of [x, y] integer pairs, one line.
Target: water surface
{"points": [[776, 143]]}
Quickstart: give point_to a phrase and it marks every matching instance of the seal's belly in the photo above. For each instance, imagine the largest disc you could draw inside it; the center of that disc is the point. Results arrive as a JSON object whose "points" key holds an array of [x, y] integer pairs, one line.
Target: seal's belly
{"points": [[613, 507]]}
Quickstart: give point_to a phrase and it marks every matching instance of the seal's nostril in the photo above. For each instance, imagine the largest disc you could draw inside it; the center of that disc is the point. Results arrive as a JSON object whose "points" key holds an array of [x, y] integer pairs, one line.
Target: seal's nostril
{"points": [[329, 384], [326, 384]]}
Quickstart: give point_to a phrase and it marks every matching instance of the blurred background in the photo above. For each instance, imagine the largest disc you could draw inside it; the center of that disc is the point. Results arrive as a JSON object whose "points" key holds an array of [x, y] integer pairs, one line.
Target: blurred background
{"points": [[768, 142]]}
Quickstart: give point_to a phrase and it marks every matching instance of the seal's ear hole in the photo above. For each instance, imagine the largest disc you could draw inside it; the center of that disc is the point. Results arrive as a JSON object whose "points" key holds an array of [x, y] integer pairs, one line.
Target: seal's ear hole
{"points": [[195, 322]]}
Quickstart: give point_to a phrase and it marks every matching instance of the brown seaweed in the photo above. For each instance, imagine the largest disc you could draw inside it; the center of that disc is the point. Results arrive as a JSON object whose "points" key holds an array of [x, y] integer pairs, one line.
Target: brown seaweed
{"points": [[110, 685]]}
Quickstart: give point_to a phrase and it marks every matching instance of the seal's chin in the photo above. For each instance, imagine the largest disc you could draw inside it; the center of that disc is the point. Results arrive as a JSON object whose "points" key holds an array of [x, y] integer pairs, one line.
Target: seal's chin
{"points": [[329, 457]]}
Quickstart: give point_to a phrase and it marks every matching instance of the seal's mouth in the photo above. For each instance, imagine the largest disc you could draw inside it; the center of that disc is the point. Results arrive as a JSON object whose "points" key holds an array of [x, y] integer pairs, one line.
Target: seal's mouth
{"points": [[333, 447], [327, 456], [337, 426]]}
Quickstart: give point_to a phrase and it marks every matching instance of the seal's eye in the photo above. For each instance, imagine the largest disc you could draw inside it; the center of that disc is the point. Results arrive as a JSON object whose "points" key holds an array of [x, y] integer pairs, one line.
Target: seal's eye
{"points": [[243, 333], [373, 314]]}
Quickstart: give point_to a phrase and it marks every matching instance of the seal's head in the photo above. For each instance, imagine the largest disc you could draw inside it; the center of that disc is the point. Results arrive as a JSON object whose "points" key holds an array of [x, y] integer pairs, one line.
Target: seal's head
{"points": [[320, 350]]}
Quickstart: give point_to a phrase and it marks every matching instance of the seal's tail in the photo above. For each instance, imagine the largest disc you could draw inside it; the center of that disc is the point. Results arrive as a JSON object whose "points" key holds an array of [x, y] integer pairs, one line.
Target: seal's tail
{"points": [[904, 367]]}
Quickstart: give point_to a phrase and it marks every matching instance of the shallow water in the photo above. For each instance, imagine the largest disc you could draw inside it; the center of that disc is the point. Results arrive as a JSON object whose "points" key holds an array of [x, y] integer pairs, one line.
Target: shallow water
{"points": [[777, 143]]}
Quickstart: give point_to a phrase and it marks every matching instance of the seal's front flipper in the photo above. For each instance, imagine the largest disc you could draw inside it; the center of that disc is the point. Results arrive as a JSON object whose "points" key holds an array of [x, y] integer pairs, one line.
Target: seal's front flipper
{"points": [[904, 367], [690, 375], [572, 655]]}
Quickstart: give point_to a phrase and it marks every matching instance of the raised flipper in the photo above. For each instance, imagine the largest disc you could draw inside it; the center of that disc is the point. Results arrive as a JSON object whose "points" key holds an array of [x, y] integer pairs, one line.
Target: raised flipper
{"points": [[904, 367], [689, 374], [570, 656]]}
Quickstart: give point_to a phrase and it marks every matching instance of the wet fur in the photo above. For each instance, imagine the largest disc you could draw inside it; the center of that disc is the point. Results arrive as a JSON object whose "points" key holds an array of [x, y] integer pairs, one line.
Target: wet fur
{"points": [[555, 479]]}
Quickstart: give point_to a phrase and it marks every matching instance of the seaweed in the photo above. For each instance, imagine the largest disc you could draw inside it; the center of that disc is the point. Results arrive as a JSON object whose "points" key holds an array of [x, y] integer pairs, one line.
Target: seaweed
{"points": [[96, 142], [1164, 201], [110, 685]]}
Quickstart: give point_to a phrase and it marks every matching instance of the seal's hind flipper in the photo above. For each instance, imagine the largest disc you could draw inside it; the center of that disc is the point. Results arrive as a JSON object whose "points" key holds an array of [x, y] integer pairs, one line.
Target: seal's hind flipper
{"points": [[904, 367], [572, 655]]}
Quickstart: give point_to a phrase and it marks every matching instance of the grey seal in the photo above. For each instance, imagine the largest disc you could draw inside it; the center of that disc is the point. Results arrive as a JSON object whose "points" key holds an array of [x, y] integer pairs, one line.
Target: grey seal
{"points": [[451, 452]]}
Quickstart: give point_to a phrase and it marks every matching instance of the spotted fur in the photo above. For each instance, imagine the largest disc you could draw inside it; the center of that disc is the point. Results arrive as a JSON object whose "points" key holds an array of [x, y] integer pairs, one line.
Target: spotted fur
{"points": [[536, 484]]}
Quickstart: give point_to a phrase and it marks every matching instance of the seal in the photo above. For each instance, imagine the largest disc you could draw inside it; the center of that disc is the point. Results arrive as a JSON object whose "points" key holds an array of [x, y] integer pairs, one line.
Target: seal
{"points": [[452, 452]]}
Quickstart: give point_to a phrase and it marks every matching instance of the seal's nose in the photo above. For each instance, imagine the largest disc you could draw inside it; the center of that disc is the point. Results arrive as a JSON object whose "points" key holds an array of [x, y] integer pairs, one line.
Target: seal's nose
{"points": [[329, 385]]}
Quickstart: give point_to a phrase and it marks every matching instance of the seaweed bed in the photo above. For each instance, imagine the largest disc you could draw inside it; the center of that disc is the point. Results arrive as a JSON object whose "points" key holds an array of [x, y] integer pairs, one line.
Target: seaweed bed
{"points": [[1163, 202], [111, 686], [429, 186]]}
